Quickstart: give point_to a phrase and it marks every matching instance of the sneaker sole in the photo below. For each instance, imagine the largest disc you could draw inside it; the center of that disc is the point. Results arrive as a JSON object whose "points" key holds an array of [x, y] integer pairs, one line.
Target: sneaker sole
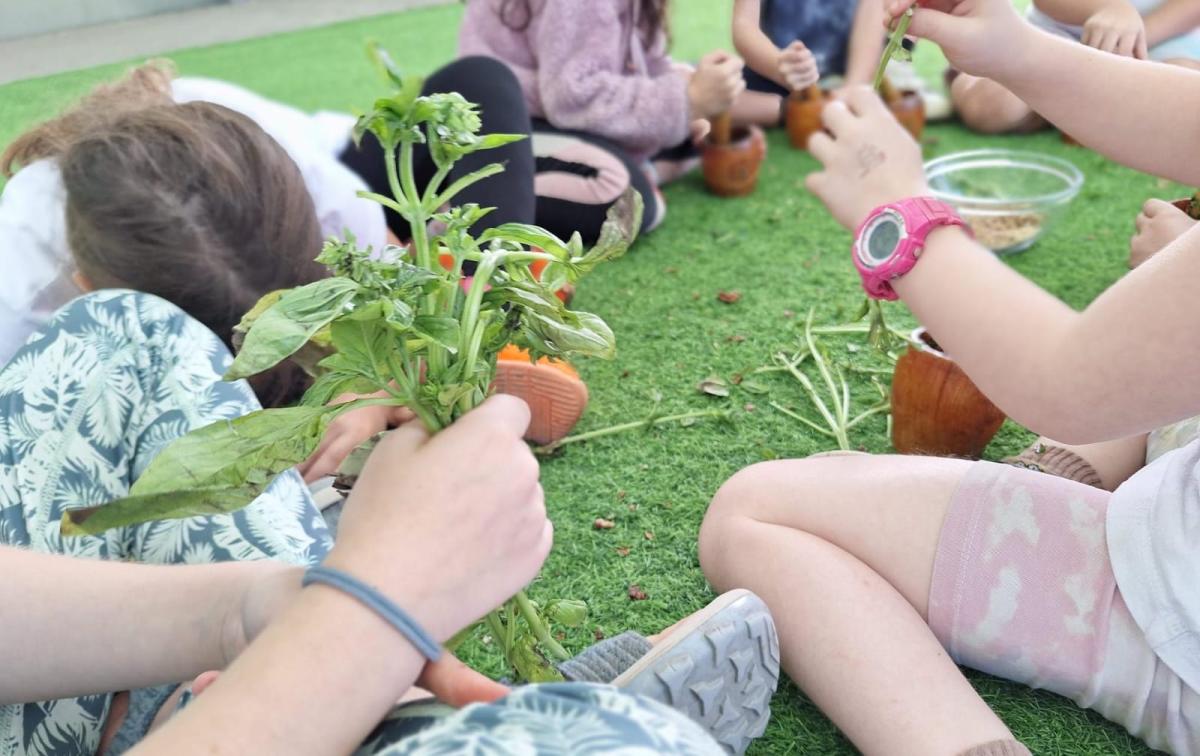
{"points": [[720, 668], [556, 400]]}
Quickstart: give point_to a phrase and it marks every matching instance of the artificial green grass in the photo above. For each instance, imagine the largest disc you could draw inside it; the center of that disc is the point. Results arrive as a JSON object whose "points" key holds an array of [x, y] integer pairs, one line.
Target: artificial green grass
{"points": [[782, 252]]}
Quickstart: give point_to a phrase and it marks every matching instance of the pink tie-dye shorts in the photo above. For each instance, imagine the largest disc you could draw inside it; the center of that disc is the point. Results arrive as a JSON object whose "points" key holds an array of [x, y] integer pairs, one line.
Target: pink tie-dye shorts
{"points": [[1023, 589]]}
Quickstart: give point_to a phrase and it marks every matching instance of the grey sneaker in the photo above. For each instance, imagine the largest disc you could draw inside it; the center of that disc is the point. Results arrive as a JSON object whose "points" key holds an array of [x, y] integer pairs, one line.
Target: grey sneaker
{"points": [[720, 667]]}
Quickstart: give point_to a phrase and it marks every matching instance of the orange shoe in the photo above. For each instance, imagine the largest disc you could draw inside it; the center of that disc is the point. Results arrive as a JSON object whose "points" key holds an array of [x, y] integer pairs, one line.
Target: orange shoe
{"points": [[553, 390]]}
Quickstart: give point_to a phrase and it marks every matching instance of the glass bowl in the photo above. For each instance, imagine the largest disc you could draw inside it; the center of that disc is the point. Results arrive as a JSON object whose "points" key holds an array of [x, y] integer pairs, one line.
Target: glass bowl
{"points": [[1008, 197]]}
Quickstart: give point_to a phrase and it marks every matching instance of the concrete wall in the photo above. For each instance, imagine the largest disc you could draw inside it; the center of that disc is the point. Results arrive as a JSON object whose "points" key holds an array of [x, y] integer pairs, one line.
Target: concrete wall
{"points": [[24, 18]]}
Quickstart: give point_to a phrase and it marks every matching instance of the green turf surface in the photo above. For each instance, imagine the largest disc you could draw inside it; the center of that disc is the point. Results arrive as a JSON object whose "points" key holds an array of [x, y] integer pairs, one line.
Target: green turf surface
{"points": [[781, 251]]}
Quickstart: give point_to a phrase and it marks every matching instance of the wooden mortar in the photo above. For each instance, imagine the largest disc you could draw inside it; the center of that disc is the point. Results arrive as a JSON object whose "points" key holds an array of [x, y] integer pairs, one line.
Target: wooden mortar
{"points": [[936, 409], [907, 106], [732, 157]]}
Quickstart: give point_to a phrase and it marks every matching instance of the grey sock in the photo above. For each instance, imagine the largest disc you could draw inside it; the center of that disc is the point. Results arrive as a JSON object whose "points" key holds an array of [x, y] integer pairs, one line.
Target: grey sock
{"points": [[143, 707], [605, 661]]}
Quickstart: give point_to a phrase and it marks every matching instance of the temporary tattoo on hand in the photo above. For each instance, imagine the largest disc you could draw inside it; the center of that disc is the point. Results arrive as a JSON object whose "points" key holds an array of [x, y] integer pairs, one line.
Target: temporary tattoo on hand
{"points": [[869, 157]]}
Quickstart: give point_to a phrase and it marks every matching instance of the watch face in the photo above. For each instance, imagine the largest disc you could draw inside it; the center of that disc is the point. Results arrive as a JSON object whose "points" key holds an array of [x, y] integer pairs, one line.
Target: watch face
{"points": [[880, 239]]}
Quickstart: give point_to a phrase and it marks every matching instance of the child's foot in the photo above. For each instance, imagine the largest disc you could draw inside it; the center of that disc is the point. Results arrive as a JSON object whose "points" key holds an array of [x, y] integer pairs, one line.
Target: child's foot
{"points": [[719, 666], [553, 390]]}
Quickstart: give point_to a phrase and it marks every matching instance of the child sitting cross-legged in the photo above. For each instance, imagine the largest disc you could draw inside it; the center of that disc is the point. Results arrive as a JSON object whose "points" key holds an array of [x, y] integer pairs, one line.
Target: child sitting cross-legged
{"points": [[789, 45]]}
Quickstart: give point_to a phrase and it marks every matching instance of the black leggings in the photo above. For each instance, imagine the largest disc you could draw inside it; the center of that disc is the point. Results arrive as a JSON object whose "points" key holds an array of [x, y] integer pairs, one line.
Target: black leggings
{"points": [[567, 188]]}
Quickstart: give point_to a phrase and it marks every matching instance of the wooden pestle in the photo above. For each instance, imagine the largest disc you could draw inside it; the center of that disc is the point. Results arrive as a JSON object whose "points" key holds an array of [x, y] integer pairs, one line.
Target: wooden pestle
{"points": [[722, 129]]}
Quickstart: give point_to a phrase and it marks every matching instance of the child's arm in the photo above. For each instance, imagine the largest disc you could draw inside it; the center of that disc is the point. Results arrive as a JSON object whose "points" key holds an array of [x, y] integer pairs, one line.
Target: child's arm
{"points": [[1064, 374], [755, 47], [1134, 112], [1113, 26], [323, 674], [91, 627], [866, 43], [1170, 20]]}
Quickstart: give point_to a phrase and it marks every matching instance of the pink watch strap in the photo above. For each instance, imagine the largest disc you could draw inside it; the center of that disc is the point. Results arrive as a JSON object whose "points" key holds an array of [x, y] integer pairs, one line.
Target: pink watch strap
{"points": [[921, 215]]}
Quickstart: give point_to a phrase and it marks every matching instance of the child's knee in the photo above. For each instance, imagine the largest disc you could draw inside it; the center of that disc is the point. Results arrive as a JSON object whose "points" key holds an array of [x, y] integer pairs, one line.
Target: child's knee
{"points": [[989, 108], [724, 534]]}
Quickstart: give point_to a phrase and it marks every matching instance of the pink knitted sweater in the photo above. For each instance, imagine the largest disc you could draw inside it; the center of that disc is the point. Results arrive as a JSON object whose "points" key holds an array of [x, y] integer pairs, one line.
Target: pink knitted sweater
{"points": [[583, 66]]}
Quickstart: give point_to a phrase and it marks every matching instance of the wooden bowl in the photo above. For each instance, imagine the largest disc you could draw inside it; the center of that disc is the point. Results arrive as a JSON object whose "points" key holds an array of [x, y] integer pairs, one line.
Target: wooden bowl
{"points": [[936, 409], [804, 115], [731, 170], [909, 110]]}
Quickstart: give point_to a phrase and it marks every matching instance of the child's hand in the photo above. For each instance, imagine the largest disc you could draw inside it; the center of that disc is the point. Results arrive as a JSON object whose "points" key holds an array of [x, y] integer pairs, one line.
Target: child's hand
{"points": [[1159, 224], [869, 159], [979, 37], [347, 432], [1117, 28], [715, 85], [798, 66], [449, 526]]}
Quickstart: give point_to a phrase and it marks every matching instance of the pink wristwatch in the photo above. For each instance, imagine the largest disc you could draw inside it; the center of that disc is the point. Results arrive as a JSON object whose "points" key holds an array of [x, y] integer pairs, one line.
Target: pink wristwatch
{"points": [[892, 237]]}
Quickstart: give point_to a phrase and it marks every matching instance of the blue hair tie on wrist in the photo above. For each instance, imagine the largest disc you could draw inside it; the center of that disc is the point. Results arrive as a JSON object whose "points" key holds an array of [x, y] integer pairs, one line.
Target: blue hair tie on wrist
{"points": [[378, 603]]}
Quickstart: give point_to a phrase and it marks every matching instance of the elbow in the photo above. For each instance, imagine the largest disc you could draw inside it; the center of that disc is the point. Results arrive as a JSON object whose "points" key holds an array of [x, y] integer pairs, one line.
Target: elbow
{"points": [[1065, 412]]}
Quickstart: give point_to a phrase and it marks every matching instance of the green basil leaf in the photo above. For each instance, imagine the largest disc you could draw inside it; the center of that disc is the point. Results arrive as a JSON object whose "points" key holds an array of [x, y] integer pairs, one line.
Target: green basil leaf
{"points": [[175, 505], [492, 141], [289, 323], [251, 449], [218, 468], [580, 333], [618, 233], [525, 295], [441, 330], [335, 383], [532, 236], [364, 344]]}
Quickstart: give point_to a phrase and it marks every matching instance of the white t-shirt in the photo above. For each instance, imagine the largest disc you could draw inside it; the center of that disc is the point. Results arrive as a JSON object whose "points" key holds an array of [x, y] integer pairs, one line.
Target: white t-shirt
{"points": [[1153, 529], [34, 254]]}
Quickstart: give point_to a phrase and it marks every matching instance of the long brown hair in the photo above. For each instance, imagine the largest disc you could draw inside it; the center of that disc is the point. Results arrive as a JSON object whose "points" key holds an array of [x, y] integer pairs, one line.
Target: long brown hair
{"points": [[191, 202], [652, 17]]}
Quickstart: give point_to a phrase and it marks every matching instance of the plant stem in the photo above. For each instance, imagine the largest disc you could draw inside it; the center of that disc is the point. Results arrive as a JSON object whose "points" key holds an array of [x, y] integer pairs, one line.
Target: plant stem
{"points": [[510, 637], [431, 189], [540, 631], [823, 369], [817, 402], [801, 418], [624, 427], [886, 407], [465, 181], [470, 312], [408, 386], [496, 627], [894, 42]]}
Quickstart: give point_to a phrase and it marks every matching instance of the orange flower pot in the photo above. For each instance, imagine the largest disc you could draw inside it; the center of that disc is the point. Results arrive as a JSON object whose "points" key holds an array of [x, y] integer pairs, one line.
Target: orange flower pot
{"points": [[731, 169], [804, 115], [936, 409]]}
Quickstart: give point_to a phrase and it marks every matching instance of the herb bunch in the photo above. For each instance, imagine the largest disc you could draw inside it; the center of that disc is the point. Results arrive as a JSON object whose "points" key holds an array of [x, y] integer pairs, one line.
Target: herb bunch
{"points": [[399, 326]]}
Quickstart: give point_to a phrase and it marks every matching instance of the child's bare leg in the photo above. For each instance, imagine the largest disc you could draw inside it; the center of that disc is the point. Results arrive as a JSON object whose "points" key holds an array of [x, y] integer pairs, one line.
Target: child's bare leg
{"points": [[842, 550], [1105, 465], [758, 109], [1184, 63], [987, 107]]}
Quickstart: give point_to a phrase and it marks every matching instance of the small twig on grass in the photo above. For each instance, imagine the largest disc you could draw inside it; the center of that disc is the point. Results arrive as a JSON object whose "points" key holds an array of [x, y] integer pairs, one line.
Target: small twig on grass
{"points": [[625, 427]]}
